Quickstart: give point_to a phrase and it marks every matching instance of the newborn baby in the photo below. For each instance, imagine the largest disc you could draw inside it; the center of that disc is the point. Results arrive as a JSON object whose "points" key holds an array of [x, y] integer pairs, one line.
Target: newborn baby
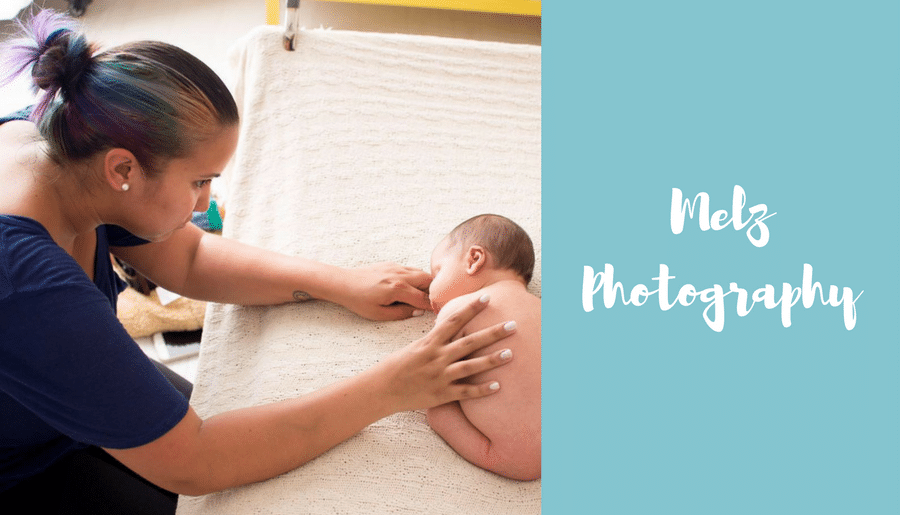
{"points": [[490, 254]]}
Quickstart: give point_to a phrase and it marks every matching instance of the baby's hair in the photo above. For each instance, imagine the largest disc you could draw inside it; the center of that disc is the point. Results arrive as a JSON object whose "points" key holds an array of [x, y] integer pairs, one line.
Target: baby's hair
{"points": [[507, 243], [151, 98]]}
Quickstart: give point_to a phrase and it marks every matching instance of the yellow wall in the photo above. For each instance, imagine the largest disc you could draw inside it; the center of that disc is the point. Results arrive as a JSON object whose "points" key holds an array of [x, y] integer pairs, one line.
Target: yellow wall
{"points": [[525, 7], [529, 7]]}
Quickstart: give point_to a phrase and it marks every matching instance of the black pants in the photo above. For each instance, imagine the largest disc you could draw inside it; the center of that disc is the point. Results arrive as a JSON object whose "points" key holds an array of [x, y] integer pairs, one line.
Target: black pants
{"points": [[90, 481]]}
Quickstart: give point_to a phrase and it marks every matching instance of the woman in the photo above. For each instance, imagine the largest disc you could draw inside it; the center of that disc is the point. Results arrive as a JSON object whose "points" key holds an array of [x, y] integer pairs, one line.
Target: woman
{"points": [[115, 156]]}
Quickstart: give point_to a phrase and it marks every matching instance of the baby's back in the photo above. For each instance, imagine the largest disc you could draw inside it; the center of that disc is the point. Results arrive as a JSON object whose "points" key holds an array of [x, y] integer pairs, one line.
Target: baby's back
{"points": [[511, 418]]}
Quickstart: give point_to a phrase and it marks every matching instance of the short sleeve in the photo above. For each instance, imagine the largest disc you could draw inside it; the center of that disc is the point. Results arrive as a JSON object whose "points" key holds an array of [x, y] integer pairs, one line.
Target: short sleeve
{"points": [[21, 114], [74, 366]]}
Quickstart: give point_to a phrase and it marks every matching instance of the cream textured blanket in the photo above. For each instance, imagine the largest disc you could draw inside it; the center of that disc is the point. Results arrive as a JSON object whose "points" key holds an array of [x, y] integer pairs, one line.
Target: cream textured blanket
{"points": [[355, 149]]}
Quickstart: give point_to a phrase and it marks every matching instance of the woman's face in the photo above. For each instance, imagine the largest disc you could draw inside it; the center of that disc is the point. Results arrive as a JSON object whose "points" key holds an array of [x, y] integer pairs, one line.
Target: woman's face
{"points": [[168, 201]]}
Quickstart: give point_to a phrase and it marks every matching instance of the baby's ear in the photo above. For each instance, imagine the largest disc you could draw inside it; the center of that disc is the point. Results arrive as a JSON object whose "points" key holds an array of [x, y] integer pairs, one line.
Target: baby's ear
{"points": [[476, 259]]}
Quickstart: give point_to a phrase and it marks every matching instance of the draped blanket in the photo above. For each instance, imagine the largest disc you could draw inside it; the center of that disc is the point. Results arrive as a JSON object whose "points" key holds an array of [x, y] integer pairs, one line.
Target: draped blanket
{"points": [[359, 148]]}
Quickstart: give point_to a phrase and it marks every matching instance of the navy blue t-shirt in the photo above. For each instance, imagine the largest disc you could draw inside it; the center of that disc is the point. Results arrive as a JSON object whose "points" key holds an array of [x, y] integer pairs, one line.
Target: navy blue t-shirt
{"points": [[70, 375]]}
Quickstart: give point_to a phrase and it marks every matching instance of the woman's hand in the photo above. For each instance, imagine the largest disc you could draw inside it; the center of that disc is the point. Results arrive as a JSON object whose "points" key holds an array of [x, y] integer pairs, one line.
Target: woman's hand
{"points": [[429, 371], [386, 291]]}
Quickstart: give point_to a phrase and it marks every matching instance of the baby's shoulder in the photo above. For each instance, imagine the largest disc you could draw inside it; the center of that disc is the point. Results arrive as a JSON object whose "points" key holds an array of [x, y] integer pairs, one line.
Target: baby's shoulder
{"points": [[457, 303], [506, 303], [511, 299]]}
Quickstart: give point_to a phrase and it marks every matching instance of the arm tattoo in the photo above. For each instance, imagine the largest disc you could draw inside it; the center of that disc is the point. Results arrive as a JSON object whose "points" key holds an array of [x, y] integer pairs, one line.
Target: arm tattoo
{"points": [[302, 296]]}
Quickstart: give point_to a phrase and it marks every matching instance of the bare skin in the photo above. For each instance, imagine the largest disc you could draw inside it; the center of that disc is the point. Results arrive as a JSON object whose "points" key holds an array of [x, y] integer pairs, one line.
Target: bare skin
{"points": [[243, 446], [501, 433]]}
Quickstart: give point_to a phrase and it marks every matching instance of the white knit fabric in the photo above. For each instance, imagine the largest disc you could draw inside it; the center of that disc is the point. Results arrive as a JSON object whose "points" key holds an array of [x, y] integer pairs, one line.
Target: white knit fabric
{"points": [[355, 149]]}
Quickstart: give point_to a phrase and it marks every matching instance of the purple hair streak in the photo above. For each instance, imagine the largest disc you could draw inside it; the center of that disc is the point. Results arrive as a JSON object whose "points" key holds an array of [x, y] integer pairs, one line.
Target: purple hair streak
{"points": [[20, 54], [148, 97]]}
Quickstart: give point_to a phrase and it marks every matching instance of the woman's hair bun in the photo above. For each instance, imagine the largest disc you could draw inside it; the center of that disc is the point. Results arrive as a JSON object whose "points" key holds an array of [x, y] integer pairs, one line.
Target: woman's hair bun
{"points": [[56, 53], [63, 61], [151, 98], [51, 46]]}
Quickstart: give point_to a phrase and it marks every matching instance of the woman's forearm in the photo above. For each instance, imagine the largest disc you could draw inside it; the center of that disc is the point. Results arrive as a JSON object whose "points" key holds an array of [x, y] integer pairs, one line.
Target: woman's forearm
{"points": [[228, 271], [252, 444], [209, 267], [258, 443]]}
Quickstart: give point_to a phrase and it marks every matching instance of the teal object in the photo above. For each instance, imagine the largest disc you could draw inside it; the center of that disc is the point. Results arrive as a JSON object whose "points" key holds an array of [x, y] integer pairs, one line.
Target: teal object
{"points": [[212, 215]]}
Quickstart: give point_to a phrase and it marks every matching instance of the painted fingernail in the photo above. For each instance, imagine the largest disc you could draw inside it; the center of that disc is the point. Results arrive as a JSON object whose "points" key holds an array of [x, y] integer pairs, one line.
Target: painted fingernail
{"points": [[494, 386], [506, 354], [418, 312], [484, 298], [509, 326]]}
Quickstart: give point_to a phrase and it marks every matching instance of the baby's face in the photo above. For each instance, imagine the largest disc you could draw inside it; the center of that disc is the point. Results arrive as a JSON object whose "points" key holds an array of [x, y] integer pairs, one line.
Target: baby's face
{"points": [[448, 269]]}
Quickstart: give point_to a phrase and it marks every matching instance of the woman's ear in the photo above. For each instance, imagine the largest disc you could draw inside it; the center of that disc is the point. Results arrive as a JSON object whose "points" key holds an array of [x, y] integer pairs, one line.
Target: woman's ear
{"points": [[120, 169], [476, 259]]}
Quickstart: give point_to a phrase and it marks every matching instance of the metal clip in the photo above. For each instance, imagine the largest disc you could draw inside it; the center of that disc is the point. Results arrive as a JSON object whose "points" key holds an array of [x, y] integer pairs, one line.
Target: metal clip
{"points": [[291, 23]]}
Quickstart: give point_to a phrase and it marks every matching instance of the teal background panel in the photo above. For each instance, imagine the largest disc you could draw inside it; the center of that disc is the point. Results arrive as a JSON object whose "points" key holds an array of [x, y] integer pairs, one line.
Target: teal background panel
{"points": [[652, 412]]}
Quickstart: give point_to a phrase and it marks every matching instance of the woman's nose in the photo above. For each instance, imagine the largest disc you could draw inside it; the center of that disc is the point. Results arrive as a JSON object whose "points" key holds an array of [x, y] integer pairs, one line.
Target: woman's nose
{"points": [[203, 202]]}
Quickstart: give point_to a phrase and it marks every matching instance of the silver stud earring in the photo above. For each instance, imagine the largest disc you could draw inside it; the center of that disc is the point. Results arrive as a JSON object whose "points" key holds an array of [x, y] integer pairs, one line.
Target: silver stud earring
{"points": [[125, 187]]}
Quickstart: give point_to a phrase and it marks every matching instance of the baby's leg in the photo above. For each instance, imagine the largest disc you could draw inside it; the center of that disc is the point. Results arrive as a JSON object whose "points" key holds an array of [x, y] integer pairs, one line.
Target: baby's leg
{"points": [[451, 424]]}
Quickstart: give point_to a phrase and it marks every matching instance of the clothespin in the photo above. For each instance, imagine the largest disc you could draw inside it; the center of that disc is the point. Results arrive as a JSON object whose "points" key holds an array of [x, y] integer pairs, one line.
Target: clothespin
{"points": [[291, 23]]}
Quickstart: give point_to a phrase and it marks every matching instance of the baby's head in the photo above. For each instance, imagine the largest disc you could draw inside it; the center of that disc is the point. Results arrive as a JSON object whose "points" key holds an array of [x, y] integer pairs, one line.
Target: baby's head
{"points": [[478, 252]]}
